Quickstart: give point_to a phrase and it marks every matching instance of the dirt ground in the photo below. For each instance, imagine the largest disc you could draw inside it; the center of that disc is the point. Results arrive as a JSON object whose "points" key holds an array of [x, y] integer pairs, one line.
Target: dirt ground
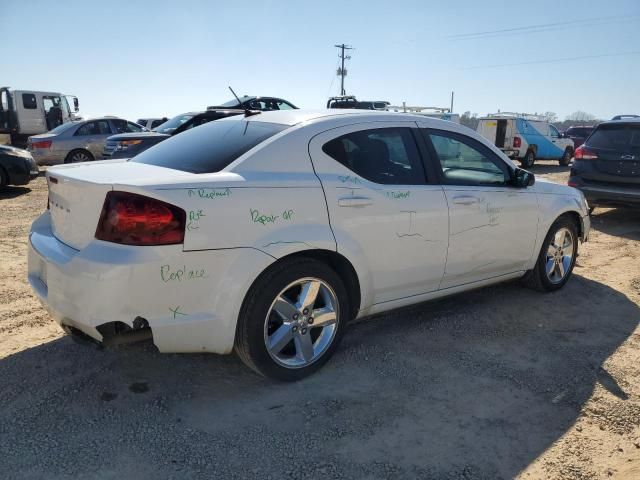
{"points": [[501, 382]]}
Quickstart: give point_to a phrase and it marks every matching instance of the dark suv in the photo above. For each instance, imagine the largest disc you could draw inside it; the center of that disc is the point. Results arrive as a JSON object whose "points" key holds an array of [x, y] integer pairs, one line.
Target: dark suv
{"points": [[607, 166], [128, 145], [578, 134]]}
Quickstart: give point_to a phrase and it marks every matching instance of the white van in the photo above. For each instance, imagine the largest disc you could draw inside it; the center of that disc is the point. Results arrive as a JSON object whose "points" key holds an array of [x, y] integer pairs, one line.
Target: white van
{"points": [[29, 112], [525, 137]]}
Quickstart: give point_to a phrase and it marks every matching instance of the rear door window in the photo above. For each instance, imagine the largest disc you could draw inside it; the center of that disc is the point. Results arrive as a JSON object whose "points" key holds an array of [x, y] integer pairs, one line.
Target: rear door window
{"points": [[387, 156], [209, 148], [616, 137]]}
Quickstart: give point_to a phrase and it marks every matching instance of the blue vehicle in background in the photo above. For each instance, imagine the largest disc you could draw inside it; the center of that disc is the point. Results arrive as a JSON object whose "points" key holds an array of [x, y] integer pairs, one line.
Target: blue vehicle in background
{"points": [[526, 137]]}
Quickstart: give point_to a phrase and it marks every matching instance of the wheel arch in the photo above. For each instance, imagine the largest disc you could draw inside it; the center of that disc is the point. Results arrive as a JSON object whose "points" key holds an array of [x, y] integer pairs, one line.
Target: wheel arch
{"points": [[339, 263]]}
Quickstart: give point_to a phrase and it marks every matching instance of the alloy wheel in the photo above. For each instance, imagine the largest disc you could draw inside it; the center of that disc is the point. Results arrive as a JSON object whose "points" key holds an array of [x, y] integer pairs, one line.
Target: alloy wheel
{"points": [[301, 323], [560, 255]]}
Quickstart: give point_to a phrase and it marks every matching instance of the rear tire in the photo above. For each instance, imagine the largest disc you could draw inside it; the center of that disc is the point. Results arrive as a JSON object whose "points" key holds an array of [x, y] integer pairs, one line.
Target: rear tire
{"points": [[528, 160], [283, 336], [78, 156], [556, 259], [566, 157]]}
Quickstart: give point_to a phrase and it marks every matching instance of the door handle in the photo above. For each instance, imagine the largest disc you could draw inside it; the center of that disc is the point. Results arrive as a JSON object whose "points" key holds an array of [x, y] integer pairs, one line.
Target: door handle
{"points": [[354, 201], [465, 200]]}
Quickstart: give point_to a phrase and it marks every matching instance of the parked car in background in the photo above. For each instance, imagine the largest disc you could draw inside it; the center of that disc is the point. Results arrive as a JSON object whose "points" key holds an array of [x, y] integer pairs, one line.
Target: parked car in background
{"points": [[263, 104], [129, 145], [17, 166], [265, 233], [606, 168], [578, 134], [526, 137], [350, 101], [151, 123], [77, 141]]}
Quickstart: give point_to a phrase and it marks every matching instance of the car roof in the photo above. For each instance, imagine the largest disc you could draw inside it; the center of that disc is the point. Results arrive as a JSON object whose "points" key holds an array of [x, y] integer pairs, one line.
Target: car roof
{"points": [[632, 121], [296, 117]]}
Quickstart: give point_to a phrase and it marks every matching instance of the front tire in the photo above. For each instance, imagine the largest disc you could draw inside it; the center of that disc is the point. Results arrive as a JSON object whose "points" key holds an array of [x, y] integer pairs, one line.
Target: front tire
{"points": [[566, 157], [292, 319], [78, 156], [557, 257], [528, 160]]}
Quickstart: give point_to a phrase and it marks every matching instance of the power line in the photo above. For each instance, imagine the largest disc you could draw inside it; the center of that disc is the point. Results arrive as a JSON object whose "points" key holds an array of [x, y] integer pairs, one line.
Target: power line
{"points": [[544, 27], [554, 60]]}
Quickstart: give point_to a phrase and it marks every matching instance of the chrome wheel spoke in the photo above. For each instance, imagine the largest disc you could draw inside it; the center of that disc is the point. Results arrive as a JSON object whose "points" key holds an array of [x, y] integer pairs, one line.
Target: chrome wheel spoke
{"points": [[323, 317], [280, 338], [285, 309], [551, 266], [304, 347], [308, 295], [560, 268], [565, 263]]}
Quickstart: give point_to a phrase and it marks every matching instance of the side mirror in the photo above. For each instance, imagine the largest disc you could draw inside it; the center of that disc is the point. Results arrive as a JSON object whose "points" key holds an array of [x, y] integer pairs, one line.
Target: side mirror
{"points": [[523, 179], [76, 104]]}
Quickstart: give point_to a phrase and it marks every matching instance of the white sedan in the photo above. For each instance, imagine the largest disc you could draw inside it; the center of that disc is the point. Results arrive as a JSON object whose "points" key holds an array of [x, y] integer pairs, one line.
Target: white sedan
{"points": [[266, 234]]}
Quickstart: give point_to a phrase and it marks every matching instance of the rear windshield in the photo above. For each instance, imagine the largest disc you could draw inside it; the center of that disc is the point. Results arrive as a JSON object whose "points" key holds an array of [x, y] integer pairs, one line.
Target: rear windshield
{"points": [[616, 137], [61, 128], [210, 147]]}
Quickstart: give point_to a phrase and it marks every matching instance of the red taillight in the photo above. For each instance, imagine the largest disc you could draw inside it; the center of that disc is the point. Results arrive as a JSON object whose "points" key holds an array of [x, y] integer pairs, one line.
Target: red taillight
{"points": [[133, 219], [517, 142], [583, 153], [42, 144]]}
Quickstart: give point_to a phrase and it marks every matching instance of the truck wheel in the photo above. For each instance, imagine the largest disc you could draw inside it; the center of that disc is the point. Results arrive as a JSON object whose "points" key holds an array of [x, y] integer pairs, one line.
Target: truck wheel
{"points": [[76, 156], [528, 160], [566, 157]]}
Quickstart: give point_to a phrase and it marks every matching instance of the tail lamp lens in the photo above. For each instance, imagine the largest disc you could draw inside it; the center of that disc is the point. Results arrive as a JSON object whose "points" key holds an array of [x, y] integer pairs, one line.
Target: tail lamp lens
{"points": [[132, 219], [42, 144], [517, 142], [583, 153]]}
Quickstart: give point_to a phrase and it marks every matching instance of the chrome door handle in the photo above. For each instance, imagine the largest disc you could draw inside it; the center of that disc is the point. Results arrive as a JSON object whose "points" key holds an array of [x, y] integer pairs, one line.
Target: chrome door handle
{"points": [[465, 200], [354, 201]]}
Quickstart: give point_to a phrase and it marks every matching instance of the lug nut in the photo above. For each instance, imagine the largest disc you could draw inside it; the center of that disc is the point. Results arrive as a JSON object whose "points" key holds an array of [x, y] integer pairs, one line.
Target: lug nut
{"points": [[305, 311], [310, 321], [303, 331], [295, 316], [294, 329]]}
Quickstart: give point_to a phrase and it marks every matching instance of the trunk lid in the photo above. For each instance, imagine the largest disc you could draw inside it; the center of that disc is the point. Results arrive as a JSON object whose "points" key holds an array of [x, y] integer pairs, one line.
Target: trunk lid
{"points": [[77, 193], [618, 149]]}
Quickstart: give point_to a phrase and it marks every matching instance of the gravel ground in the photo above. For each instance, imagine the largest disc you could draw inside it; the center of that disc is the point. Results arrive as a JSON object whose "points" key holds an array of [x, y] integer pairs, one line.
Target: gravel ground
{"points": [[501, 382]]}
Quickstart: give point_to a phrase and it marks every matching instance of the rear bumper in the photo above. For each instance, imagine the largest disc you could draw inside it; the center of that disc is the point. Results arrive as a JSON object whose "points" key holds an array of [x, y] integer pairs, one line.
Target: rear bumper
{"points": [[611, 195], [106, 283], [47, 157]]}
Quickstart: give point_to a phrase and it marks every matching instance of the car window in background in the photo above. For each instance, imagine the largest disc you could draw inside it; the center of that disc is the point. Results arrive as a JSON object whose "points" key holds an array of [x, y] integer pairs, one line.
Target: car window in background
{"points": [[63, 128], [282, 105], [209, 148], [141, 121], [464, 162], [387, 156], [170, 125], [99, 127], [155, 123], [553, 131], [133, 127], [29, 101], [616, 137]]}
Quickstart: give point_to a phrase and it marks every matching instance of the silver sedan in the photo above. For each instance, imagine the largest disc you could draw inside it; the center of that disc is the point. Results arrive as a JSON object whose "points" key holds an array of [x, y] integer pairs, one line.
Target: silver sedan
{"points": [[77, 141]]}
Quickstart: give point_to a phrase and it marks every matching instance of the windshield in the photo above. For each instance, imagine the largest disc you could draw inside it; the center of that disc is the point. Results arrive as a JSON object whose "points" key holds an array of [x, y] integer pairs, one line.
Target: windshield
{"points": [[210, 147], [170, 125]]}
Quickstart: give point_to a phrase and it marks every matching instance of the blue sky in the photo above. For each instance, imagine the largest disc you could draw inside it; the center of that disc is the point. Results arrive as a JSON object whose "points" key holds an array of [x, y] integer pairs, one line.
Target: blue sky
{"points": [[143, 58]]}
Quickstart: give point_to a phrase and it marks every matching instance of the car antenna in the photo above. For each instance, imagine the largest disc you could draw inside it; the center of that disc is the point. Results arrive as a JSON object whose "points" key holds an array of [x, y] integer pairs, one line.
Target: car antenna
{"points": [[247, 112]]}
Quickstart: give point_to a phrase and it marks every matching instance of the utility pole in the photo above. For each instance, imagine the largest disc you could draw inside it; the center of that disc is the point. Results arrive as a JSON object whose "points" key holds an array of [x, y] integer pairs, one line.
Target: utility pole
{"points": [[341, 71], [451, 111]]}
